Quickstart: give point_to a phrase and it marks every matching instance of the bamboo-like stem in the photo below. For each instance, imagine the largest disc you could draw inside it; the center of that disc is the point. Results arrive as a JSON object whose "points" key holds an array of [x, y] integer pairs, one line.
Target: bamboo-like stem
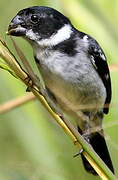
{"points": [[16, 102], [12, 62], [89, 153]]}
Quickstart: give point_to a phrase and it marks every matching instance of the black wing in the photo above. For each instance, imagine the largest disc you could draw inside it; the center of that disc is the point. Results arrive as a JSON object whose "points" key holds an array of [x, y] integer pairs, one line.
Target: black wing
{"points": [[99, 61]]}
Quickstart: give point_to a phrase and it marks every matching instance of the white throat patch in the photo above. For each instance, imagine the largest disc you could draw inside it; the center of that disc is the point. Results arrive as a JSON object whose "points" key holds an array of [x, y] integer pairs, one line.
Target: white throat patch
{"points": [[62, 34]]}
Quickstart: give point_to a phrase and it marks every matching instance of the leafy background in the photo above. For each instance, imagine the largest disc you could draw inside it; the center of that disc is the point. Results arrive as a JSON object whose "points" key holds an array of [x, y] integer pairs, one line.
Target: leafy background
{"points": [[32, 145]]}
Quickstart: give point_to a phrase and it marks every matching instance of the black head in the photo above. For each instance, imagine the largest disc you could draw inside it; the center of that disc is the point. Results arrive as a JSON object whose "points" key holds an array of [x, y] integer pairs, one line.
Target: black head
{"points": [[37, 23]]}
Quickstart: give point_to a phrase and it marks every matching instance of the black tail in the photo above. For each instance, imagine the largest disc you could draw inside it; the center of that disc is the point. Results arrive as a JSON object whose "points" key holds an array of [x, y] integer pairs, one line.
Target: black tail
{"points": [[98, 143]]}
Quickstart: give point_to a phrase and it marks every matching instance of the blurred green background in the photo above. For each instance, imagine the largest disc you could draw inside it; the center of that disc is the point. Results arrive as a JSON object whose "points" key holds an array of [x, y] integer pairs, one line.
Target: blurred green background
{"points": [[32, 145]]}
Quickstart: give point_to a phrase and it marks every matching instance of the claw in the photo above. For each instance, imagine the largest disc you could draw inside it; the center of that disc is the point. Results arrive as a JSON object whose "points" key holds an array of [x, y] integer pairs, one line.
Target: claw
{"points": [[28, 89], [29, 82], [80, 152], [28, 79]]}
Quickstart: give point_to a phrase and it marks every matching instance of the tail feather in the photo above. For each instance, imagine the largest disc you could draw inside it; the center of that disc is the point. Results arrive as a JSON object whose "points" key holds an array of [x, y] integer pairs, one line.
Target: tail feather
{"points": [[98, 143]]}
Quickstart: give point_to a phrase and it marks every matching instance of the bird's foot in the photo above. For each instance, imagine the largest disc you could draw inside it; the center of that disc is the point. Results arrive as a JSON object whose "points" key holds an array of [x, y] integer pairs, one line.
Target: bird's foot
{"points": [[79, 153], [28, 81]]}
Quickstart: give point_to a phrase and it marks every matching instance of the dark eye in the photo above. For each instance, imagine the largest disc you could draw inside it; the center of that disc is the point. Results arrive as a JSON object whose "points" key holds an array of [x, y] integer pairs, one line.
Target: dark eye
{"points": [[34, 18]]}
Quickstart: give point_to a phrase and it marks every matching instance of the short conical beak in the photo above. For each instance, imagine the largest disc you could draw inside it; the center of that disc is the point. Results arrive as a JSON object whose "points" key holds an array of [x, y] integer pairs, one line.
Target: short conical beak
{"points": [[16, 27]]}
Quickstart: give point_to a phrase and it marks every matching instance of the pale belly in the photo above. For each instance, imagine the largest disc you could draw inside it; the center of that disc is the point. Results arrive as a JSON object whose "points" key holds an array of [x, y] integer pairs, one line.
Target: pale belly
{"points": [[74, 82], [74, 95]]}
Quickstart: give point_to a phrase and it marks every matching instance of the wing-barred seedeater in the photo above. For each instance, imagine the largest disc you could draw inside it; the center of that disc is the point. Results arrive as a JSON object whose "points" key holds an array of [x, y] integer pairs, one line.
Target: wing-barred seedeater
{"points": [[74, 69]]}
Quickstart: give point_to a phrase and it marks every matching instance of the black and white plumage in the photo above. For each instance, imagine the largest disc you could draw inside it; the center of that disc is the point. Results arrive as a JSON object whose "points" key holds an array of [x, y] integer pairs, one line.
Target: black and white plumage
{"points": [[74, 70]]}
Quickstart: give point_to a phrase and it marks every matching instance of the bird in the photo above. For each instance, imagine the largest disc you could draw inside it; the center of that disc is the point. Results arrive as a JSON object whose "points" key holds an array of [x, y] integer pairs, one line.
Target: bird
{"points": [[74, 69]]}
